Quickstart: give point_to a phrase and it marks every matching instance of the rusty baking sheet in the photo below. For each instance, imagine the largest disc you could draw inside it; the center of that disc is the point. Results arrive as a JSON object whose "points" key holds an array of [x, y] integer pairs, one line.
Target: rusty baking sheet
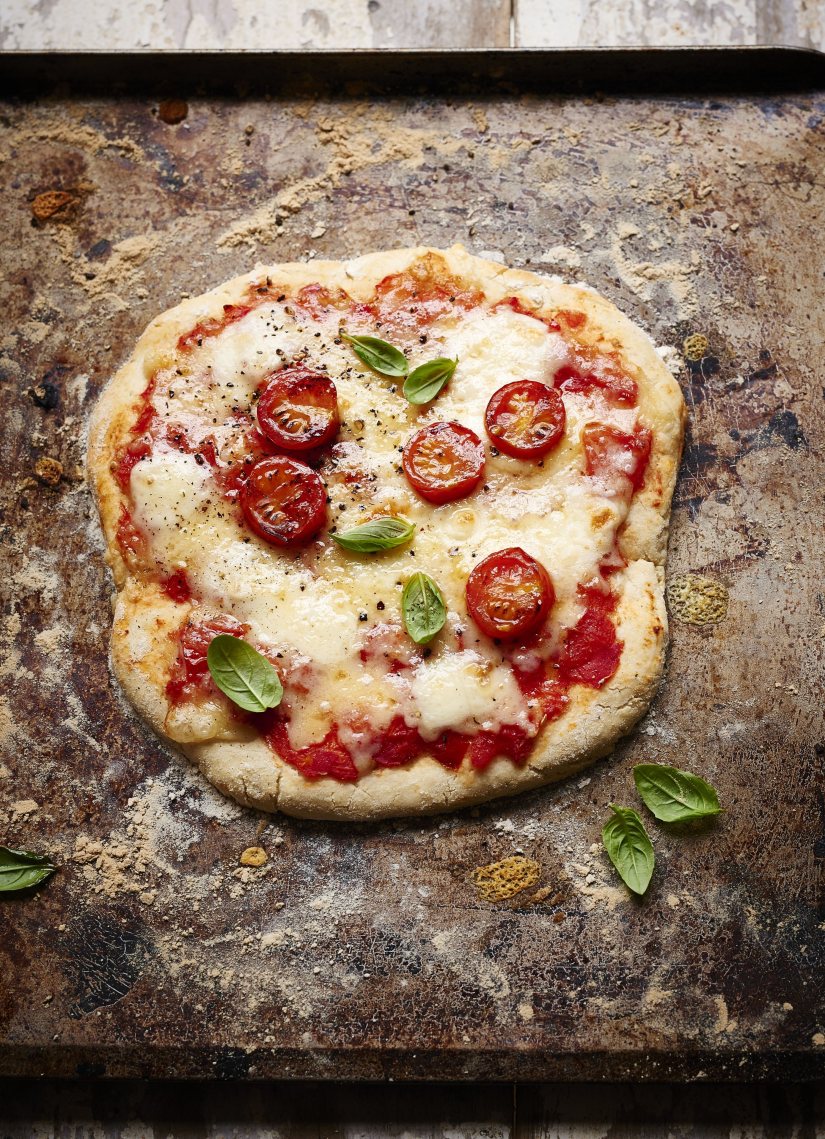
{"points": [[370, 951]]}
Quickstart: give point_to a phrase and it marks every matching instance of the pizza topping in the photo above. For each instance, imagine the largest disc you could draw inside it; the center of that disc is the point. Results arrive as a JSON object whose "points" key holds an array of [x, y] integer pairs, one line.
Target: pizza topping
{"points": [[616, 458], [243, 674], [318, 300], [420, 295], [376, 535], [525, 419], [213, 326], [426, 381], [190, 672], [444, 462], [327, 758], [378, 355], [615, 386], [132, 454], [591, 651], [509, 594], [467, 691], [177, 587], [284, 501], [423, 608], [131, 541], [298, 409]]}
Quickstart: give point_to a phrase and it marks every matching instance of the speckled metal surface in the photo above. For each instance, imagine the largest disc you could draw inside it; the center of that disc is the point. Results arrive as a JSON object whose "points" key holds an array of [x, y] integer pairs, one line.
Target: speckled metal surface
{"points": [[366, 951]]}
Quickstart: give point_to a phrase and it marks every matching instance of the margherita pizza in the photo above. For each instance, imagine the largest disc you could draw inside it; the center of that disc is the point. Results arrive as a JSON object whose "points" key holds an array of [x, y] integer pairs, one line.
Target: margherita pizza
{"points": [[388, 534]]}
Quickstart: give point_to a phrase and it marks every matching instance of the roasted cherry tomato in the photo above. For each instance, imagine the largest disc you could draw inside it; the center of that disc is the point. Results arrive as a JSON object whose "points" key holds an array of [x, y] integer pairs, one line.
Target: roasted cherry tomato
{"points": [[525, 419], [444, 461], [616, 456], [298, 409], [284, 500], [509, 594]]}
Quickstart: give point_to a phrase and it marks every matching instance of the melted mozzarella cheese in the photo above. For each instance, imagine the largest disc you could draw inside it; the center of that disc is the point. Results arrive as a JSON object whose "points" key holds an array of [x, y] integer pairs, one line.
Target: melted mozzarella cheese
{"points": [[319, 604], [168, 490], [462, 691]]}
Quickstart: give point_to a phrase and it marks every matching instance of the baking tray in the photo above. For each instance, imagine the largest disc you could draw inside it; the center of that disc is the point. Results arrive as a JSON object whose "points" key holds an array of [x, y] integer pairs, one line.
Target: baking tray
{"points": [[688, 188]]}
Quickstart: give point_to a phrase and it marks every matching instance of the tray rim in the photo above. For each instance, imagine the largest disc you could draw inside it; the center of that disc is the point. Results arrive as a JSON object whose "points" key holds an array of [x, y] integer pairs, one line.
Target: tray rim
{"points": [[749, 68]]}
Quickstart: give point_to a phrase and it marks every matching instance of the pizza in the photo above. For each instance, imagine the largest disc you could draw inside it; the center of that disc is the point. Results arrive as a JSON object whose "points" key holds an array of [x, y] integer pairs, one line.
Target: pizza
{"points": [[388, 534]]}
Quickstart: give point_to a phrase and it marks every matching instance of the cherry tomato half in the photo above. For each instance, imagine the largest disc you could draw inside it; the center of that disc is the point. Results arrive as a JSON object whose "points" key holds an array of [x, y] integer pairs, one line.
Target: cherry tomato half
{"points": [[615, 455], [444, 461], [509, 594], [298, 409], [525, 419], [283, 500]]}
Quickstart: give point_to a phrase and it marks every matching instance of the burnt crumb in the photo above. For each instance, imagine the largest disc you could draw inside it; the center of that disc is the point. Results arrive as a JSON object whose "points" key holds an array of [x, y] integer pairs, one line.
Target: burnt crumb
{"points": [[48, 471], [380, 605], [172, 111], [45, 395], [53, 205]]}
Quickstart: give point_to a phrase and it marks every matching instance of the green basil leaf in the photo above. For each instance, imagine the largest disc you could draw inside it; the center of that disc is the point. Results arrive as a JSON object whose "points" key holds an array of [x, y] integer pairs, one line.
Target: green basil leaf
{"points": [[426, 381], [246, 677], [629, 848], [376, 535], [673, 795], [378, 355], [423, 608], [20, 869]]}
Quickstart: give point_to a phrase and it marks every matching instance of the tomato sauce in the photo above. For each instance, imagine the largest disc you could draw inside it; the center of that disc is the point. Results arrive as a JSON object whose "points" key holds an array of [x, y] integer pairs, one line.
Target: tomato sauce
{"points": [[417, 297], [212, 326], [176, 586], [327, 758], [618, 389], [122, 470], [591, 650], [190, 672], [131, 541], [317, 301], [515, 304]]}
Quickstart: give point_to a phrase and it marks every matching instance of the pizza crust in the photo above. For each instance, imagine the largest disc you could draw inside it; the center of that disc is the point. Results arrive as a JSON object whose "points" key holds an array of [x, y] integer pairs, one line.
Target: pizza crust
{"points": [[245, 767]]}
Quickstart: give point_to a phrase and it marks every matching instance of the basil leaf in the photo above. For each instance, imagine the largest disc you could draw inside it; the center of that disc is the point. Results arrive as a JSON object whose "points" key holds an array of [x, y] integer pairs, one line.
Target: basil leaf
{"points": [[629, 848], [426, 381], [20, 869], [423, 608], [378, 354], [376, 535], [673, 795], [246, 677]]}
